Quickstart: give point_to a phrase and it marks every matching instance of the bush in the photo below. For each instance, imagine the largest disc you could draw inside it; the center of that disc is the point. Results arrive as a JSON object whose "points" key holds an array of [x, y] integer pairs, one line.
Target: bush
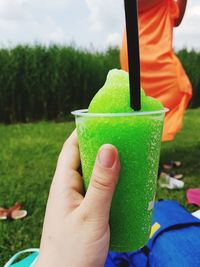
{"points": [[191, 63], [40, 83], [46, 83]]}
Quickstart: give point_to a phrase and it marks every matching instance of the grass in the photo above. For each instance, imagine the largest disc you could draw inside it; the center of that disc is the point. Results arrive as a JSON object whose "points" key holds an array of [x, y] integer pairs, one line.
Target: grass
{"points": [[28, 154]]}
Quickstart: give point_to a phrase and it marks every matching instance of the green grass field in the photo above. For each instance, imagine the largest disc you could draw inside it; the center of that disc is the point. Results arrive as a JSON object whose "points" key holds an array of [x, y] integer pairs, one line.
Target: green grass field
{"points": [[28, 155]]}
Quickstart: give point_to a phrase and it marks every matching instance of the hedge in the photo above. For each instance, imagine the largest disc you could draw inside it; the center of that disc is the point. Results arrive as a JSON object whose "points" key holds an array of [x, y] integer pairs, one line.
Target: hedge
{"points": [[46, 83]]}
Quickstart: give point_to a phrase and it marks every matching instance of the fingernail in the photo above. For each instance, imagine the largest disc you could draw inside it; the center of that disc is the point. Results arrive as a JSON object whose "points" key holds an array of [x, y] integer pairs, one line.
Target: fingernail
{"points": [[107, 156]]}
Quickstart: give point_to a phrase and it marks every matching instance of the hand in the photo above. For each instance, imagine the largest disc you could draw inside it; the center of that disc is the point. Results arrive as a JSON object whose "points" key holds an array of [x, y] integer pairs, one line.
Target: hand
{"points": [[76, 228]]}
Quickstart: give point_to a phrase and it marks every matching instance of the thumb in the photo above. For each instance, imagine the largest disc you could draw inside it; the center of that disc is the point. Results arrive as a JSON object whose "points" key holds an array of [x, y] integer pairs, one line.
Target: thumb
{"points": [[104, 178]]}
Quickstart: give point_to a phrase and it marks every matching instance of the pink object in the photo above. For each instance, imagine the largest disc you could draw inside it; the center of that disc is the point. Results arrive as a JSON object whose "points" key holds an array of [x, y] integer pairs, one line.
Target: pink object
{"points": [[193, 196]]}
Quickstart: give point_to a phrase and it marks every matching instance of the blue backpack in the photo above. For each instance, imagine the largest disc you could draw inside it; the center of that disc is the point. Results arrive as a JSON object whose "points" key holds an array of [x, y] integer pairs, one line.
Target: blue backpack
{"points": [[175, 241]]}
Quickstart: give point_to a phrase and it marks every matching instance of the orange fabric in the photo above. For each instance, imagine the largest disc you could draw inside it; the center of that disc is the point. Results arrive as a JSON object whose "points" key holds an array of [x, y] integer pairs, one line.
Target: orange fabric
{"points": [[162, 75]]}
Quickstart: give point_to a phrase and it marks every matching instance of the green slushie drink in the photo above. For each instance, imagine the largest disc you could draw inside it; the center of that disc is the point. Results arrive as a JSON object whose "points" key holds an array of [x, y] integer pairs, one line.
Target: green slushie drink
{"points": [[137, 136]]}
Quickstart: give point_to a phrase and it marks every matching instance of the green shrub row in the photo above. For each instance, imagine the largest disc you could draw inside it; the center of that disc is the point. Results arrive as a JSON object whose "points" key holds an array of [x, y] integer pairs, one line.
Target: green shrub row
{"points": [[191, 63], [46, 83], [40, 83]]}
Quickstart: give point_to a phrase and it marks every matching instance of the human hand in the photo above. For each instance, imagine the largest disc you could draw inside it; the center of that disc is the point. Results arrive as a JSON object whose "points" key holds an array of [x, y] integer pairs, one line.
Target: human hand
{"points": [[76, 228]]}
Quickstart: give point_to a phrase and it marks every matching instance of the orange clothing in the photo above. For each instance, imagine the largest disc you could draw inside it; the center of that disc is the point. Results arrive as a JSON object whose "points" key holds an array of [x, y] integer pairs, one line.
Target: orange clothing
{"points": [[162, 75]]}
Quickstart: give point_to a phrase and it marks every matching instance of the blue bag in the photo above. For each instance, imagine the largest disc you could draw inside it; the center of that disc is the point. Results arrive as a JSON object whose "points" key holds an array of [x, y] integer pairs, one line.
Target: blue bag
{"points": [[175, 241]]}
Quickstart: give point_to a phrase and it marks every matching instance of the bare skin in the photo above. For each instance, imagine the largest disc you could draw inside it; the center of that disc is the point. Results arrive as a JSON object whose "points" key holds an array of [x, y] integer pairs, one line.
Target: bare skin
{"points": [[76, 229], [182, 7]]}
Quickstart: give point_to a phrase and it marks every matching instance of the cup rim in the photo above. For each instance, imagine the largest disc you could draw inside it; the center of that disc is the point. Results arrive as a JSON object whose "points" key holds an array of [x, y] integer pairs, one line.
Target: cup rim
{"points": [[85, 113]]}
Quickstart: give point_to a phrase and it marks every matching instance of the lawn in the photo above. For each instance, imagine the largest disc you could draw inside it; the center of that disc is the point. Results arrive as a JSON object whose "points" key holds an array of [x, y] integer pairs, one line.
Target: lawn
{"points": [[28, 154]]}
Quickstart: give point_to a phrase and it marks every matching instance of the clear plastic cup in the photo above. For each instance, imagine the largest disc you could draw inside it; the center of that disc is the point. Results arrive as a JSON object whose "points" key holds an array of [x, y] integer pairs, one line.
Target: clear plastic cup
{"points": [[137, 136]]}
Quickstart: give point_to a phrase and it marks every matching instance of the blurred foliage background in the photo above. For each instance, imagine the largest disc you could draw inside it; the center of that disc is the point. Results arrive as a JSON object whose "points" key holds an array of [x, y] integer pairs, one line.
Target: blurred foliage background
{"points": [[46, 83]]}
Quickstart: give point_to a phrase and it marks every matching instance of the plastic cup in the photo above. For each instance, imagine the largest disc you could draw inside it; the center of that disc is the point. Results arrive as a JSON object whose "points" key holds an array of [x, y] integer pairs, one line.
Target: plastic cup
{"points": [[137, 136]]}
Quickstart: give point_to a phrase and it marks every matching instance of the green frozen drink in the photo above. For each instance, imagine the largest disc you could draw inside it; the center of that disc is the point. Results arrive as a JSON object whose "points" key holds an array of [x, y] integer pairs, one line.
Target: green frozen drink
{"points": [[137, 136]]}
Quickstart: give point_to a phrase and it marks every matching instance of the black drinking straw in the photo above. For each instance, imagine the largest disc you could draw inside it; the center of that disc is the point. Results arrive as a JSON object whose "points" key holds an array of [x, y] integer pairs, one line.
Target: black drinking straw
{"points": [[133, 52]]}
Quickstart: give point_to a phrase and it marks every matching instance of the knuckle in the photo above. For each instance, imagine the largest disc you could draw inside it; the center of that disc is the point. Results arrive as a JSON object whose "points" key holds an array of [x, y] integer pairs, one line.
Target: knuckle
{"points": [[72, 200], [85, 216], [102, 182], [72, 174], [69, 200]]}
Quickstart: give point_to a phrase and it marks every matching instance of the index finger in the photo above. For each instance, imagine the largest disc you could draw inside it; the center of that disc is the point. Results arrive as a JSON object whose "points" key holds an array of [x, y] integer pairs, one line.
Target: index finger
{"points": [[69, 156], [66, 176], [67, 185]]}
